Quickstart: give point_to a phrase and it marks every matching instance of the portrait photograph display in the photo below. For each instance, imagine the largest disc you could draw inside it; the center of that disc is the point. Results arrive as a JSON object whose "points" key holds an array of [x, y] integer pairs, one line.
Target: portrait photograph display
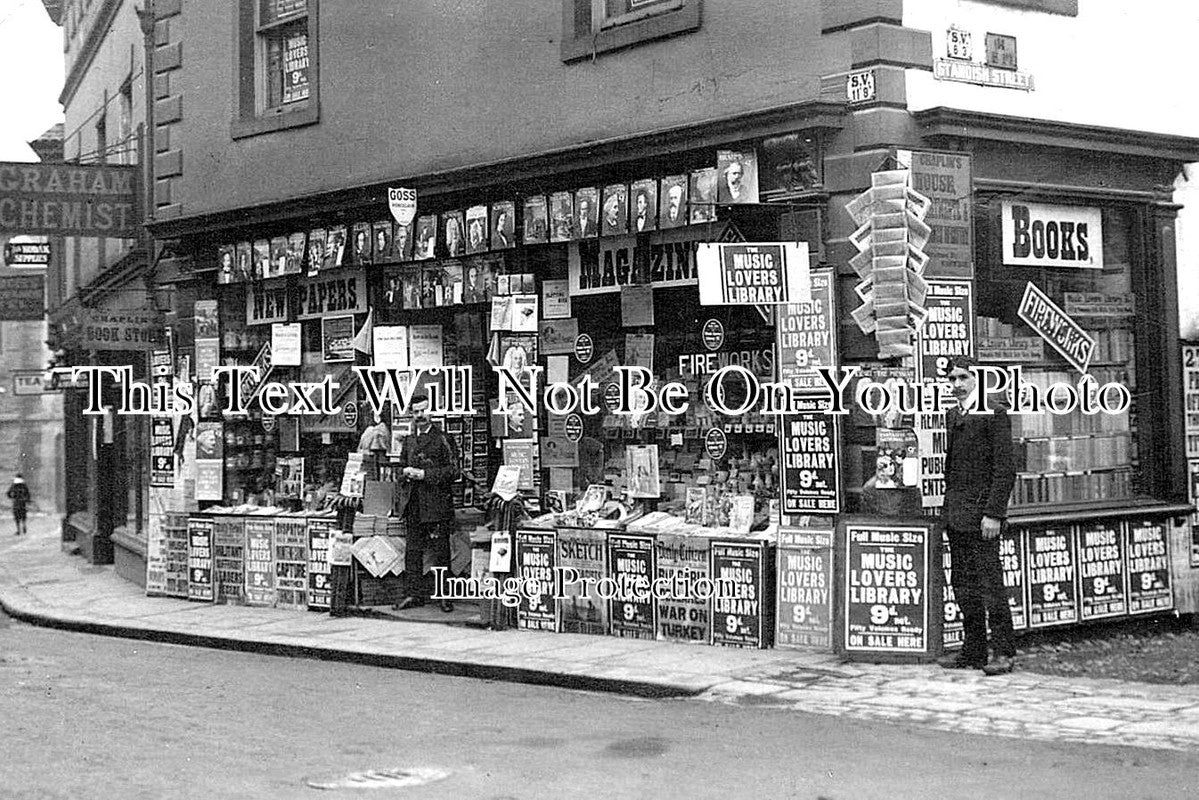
{"points": [[262, 259], [452, 233], [644, 208], [296, 243], [476, 230], [403, 241], [476, 281], [702, 197], [245, 261], [672, 202], [503, 225], [278, 257], [737, 177], [226, 264], [316, 251], [335, 247], [426, 237], [360, 251], [411, 285], [586, 213], [381, 242], [536, 220], [616, 210], [561, 212]]}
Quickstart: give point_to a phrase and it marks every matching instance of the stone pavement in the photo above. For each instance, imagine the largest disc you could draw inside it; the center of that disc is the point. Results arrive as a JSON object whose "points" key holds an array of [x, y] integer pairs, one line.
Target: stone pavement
{"points": [[42, 585]]}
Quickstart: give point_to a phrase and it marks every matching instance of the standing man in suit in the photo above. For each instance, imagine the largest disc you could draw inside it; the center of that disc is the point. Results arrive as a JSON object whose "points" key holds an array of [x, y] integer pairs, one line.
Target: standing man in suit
{"points": [[429, 464], [979, 473]]}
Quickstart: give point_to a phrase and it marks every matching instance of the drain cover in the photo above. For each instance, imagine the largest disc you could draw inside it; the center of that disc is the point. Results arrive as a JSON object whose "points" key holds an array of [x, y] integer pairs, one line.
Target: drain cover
{"points": [[381, 779]]}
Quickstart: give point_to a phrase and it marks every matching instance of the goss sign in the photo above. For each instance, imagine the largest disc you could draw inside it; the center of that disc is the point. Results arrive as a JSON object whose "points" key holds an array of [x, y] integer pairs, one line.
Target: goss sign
{"points": [[1039, 235]]}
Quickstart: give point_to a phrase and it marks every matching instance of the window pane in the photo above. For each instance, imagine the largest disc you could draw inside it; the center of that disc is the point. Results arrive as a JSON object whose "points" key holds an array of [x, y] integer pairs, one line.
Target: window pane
{"points": [[279, 10]]}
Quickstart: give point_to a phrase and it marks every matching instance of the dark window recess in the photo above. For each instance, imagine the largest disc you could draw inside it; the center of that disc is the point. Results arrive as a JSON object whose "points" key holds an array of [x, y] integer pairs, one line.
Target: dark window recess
{"points": [[591, 27]]}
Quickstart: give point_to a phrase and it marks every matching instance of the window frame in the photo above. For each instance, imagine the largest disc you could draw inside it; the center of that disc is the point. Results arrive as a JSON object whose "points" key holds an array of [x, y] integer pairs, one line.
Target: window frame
{"points": [[588, 32], [251, 115]]}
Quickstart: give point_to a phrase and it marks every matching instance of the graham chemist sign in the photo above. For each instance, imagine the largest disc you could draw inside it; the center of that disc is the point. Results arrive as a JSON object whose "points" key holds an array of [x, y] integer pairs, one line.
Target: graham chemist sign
{"points": [[69, 200]]}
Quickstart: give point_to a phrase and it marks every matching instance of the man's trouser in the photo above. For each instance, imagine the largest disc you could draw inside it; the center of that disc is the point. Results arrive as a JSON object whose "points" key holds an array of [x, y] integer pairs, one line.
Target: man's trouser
{"points": [[979, 590]]}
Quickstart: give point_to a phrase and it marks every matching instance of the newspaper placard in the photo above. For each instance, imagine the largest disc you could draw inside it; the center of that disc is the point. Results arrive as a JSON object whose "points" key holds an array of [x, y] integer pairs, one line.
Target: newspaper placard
{"points": [[162, 452], [260, 562], [199, 560], [1147, 543], [953, 632], [175, 531], [811, 474], [886, 588], [805, 580], [581, 608], [229, 551], [319, 586], [631, 565], [1101, 578], [682, 615], [1013, 558], [291, 563], [740, 607], [946, 180], [535, 563], [1051, 577]]}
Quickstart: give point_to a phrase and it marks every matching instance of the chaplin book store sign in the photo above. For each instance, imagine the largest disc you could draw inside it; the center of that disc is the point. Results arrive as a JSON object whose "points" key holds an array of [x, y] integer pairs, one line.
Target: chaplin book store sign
{"points": [[336, 292], [123, 322], [69, 200]]}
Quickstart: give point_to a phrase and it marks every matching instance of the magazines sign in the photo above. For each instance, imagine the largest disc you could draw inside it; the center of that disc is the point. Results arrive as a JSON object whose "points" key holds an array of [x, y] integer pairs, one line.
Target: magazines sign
{"points": [[599, 266], [753, 274], [811, 476]]}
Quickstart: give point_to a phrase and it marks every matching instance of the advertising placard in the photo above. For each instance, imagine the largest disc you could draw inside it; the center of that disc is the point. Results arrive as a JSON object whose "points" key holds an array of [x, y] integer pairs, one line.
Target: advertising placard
{"points": [[952, 631], [156, 562], [886, 604], [1052, 599], [1062, 333], [260, 562], [1190, 388], [175, 538], [806, 337], [23, 297], [1101, 579], [631, 565], [162, 452], [535, 562], [581, 608], [805, 580], [1012, 557], [1193, 491], [291, 563], [683, 616], [948, 330], [229, 552], [946, 180], [758, 273], [319, 569], [199, 560], [1147, 543], [740, 606], [1042, 235], [27, 254], [811, 473]]}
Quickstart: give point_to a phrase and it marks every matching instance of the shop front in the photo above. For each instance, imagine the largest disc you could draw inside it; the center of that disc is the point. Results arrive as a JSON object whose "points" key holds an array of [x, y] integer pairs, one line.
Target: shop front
{"points": [[606, 343]]}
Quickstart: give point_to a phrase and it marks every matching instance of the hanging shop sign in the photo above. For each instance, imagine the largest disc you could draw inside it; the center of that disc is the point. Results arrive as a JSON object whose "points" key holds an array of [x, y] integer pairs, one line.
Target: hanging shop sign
{"points": [[804, 593], [229, 559], [1012, 557], [806, 337], [946, 179], [581, 561], [535, 567], [1101, 570], [1147, 544], [760, 273], [811, 473], [1053, 325], [682, 615], [199, 560], [740, 605], [70, 200], [631, 566], [1041, 235], [1051, 570], [125, 320], [402, 203], [661, 259], [885, 603], [22, 298], [28, 383], [35, 255]]}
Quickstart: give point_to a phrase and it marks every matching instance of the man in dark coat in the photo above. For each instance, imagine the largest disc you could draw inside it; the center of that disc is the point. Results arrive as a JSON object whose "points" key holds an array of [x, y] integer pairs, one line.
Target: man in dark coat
{"points": [[19, 494], [429, 465], [979, 473]]}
